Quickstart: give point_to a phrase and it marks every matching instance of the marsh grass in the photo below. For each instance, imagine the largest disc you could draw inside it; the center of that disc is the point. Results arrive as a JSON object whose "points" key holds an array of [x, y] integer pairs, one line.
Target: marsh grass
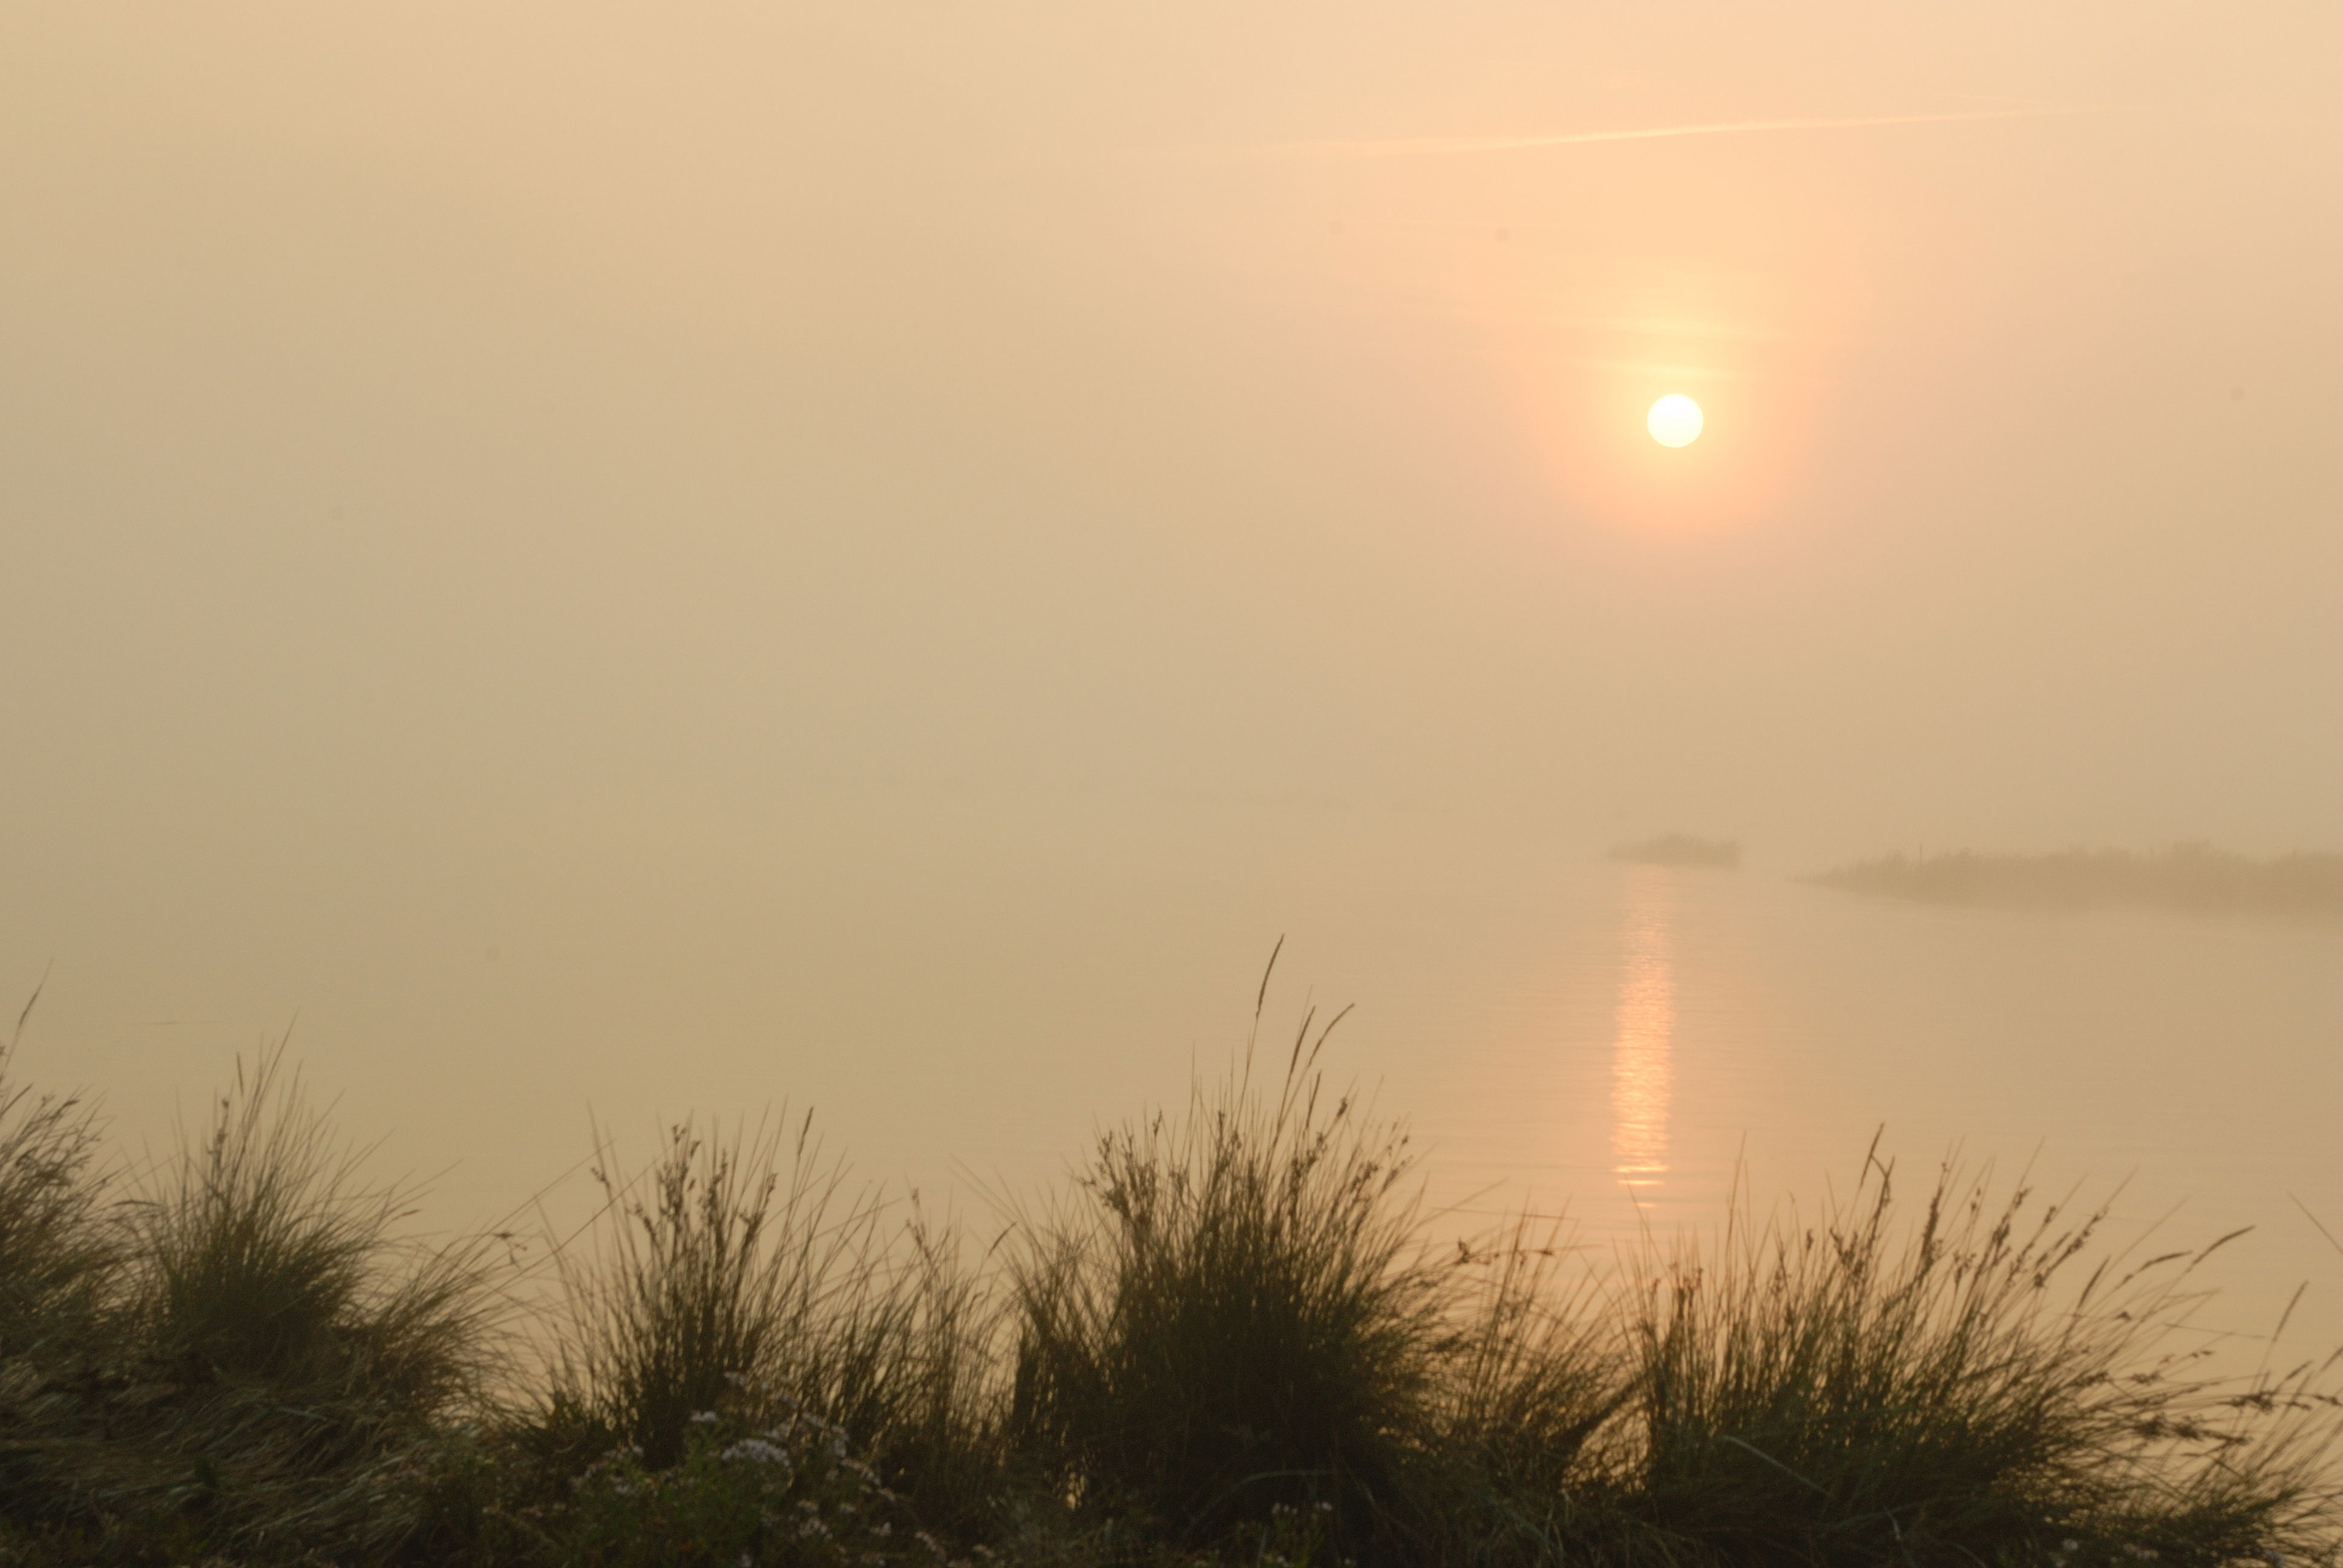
{"points": [[1238, 1312], [1230, 1341], [1531, 1390], [1987, 1382], [748, 1264], [270, 1368], [263, 1256], [1241, 1318], [57, 1257]]}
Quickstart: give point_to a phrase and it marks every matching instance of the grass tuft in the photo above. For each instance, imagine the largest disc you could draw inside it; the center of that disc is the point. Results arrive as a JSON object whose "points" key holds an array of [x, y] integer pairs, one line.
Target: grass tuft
{"points": [[57, 1259], [272, 1371], [1858, 1391], [747, 1263], [1232, 1343], [1238, 1315], [1532, 1400], [263, 1257]]}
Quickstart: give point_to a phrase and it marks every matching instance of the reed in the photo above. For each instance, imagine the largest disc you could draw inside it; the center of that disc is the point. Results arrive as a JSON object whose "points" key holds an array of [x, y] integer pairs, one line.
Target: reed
{"points": [[746, 1263], [268, 1370], [1986, 1383], [263, 1256], [1237, 1313], [57, 1259], [1534, 1392], [1229, 1341]]}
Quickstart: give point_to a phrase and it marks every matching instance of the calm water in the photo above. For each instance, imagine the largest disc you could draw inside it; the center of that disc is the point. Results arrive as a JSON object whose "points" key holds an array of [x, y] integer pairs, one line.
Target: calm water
{"points": [[963, 992]]}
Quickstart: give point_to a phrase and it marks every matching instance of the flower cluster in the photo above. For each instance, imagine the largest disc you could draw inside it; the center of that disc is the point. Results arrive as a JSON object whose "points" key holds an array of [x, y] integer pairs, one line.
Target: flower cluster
{"points": [[1294, 1537], [763, 1482]]}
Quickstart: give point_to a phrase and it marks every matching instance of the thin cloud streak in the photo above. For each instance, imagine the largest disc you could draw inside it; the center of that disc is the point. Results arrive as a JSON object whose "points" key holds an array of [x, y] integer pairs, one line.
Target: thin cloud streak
{"points": [[1437, 146]]}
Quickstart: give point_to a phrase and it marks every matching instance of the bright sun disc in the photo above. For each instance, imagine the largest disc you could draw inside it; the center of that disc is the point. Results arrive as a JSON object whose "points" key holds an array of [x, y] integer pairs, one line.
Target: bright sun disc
{"points": [[1675, 420]]}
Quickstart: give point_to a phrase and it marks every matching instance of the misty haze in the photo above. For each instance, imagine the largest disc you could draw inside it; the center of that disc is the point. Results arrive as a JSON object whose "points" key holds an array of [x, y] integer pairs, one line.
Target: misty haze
{"points": [[1739, 586]]}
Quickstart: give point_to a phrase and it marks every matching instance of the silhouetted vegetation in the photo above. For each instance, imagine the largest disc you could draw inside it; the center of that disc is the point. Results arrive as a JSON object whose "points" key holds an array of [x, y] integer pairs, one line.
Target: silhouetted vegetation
{"points": [[2190, 877], [1680, 849], [237, 1353], [1238, 1314], [1229, 1340]]}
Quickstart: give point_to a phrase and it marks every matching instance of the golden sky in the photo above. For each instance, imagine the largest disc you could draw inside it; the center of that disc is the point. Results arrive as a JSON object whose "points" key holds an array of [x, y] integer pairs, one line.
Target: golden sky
{"points": [[418, 420], [659, 557]]}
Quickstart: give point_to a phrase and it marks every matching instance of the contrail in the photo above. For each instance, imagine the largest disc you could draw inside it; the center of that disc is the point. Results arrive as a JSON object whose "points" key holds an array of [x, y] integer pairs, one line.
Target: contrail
{"points": [[1435, 147]]}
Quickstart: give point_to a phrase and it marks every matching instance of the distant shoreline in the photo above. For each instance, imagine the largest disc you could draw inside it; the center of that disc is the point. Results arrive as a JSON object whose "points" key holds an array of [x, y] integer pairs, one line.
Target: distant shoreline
{"points": [[1680, 849], [2191, 878]]}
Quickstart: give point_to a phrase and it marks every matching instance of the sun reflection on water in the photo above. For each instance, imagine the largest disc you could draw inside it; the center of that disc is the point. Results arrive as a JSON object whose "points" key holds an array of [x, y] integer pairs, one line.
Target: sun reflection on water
{"points": [[1640, 1072]]}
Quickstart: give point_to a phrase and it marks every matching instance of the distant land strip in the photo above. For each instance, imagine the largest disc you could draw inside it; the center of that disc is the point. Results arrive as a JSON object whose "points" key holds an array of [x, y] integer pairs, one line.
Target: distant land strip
{"points": [[2194, 878], [1680, 849]]}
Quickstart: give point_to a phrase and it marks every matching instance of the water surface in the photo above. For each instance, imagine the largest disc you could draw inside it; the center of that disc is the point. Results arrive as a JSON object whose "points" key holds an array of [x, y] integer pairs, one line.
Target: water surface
{"points": [[964, 989]]}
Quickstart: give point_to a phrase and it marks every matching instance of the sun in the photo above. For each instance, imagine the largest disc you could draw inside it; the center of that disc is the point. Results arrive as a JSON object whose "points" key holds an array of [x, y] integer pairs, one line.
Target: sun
{"points": [[1675, 420]]}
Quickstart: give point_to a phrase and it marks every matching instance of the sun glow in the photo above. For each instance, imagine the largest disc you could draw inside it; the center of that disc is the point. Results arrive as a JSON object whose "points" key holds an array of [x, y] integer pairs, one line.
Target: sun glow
{"points": [[1737, 358], [1641, 1070], [1675, 420]]}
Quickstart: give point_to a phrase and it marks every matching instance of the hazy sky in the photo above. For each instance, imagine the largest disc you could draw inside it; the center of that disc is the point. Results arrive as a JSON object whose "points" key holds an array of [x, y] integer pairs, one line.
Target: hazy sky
{"points": [[439, 438], [419, 415]]}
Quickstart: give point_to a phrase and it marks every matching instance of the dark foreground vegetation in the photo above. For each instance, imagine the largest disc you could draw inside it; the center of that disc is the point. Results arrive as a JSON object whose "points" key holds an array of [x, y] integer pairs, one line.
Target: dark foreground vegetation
{"points": [[1227, 1342], [2189, 876]]}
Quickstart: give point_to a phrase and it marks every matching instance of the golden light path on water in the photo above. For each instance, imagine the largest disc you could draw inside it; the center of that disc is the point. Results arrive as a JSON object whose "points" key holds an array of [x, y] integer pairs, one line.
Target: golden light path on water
{"points": [[1641, 1072]]}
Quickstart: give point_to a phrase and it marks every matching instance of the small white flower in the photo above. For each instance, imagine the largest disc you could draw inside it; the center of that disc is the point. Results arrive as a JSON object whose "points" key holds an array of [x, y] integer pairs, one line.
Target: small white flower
{"points": [[757, 1450]]}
